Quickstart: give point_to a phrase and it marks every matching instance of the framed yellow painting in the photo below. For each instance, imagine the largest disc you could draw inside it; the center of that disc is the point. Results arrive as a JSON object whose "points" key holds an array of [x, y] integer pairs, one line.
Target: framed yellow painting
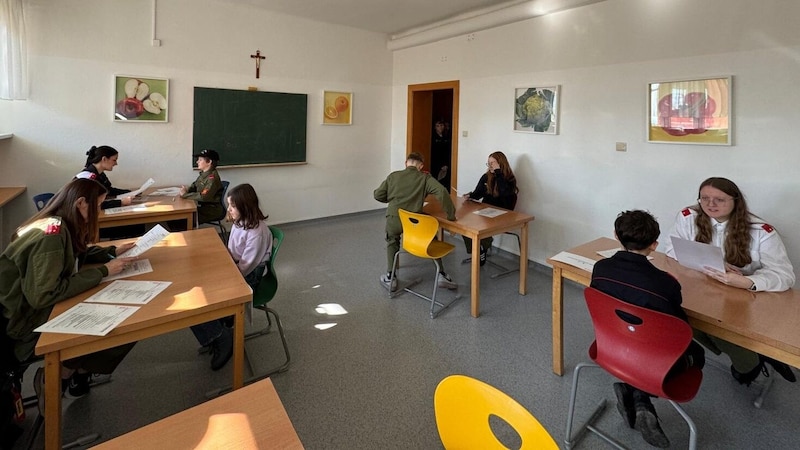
{"points": [[697, 111], [337, 108]]}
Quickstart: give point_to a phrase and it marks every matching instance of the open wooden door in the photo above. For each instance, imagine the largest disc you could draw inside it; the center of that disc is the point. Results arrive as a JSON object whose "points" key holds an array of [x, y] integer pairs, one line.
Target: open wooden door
{"points": [[427, 104]]}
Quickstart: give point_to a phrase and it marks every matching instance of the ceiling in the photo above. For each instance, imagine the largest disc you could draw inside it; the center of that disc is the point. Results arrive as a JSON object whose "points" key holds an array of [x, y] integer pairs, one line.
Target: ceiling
{"points": [[383, 16]]}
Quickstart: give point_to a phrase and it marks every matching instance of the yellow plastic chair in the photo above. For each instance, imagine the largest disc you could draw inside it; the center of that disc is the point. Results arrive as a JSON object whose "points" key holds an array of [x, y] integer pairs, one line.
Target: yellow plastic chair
{"points": [[419, 232], [463, 406]]}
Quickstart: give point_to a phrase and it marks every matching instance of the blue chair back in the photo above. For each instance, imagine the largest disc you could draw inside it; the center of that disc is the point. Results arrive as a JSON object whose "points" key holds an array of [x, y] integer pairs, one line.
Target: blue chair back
{"points": [[41, 199]]}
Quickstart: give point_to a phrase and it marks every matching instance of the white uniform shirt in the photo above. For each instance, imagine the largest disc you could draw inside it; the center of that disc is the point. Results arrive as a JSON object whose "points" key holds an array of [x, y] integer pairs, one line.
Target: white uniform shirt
{"points": [[770, 269]]}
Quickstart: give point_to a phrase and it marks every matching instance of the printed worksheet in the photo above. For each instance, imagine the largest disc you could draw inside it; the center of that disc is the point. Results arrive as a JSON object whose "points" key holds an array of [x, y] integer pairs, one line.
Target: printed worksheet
{"points": [[166, 192], [578, 261], [144, 187], [146, 242], [88, 318], [129, 292], [122, 209], [135, 268], [490, 212]]}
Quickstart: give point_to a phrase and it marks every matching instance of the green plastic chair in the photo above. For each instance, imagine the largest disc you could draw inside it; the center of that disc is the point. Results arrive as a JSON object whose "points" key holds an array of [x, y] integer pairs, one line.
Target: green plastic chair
{"points": [[263, 294]]}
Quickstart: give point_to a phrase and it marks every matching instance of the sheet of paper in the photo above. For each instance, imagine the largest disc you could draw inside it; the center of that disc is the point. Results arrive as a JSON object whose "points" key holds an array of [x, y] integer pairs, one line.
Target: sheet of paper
{"points": [[578, 261], [122, 209], [697, 255], [166, 192], [144, 187], [612, 251], [490, 212], [88, 318], [129, 292], [135, 268], [146, 242]]}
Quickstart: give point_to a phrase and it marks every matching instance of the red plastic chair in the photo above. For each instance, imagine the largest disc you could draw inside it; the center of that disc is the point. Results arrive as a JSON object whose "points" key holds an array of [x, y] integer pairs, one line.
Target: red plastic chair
{"points": [[638, 346]]}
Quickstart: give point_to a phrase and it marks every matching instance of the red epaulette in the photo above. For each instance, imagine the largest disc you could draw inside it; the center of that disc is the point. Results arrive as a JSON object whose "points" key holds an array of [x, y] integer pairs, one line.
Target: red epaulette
{"points": [[92, 176], [768, 228], [53, 226], [686, 212]]}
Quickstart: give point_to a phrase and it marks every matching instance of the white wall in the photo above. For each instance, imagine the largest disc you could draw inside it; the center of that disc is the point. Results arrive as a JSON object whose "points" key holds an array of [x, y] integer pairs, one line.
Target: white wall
{"points": [[76, 47], [603, 56]]}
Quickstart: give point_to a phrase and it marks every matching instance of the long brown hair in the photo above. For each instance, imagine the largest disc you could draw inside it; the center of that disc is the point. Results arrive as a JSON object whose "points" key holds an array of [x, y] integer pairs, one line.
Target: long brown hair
{"points": [[245, 199], [508, 174], [737, 238], [63, 205]]}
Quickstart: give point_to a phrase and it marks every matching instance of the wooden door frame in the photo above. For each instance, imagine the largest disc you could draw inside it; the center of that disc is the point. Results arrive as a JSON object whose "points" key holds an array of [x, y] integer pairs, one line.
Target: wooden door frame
{"points": [[453, 86]]}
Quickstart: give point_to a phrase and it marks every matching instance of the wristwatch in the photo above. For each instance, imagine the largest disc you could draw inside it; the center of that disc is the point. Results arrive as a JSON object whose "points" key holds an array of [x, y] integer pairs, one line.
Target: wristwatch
{"points": [[753, 287]]}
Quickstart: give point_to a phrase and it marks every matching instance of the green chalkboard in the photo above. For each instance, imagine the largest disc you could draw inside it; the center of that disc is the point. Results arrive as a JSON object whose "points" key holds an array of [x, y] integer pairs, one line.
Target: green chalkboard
{"points": [[250, 127]]}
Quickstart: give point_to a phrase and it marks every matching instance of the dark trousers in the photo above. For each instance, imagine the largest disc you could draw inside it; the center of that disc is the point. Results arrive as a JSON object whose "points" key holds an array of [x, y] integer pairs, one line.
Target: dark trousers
{"points": [[103, 362]]}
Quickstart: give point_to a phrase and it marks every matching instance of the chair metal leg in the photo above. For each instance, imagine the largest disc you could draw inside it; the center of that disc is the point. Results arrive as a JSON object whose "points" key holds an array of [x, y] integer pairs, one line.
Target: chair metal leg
{"points": [[402, 287], [504, 270], [432, 299], [764, 391], [280, 369], [569, 440], [692, 427]]}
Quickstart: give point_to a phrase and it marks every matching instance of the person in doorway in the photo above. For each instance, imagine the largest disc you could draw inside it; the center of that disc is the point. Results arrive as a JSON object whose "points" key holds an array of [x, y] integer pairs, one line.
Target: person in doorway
{"points": [[755, 259], [441, 153], [407, 189], [630, 277], [497, 187]]}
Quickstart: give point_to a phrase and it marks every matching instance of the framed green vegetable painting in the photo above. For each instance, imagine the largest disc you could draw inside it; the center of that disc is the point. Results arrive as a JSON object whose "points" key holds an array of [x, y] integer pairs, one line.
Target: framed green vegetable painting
{"points": [[536, 110]]}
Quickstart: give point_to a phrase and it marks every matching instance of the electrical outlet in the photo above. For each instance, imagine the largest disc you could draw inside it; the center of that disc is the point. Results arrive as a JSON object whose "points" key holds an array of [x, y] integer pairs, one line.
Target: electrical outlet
{"points": [[443, 59], [622, 147]]}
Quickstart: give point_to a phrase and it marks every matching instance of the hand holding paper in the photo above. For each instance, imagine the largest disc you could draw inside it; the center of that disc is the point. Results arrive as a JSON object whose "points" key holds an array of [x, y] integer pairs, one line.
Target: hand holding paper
{"points": [[144, 243]]}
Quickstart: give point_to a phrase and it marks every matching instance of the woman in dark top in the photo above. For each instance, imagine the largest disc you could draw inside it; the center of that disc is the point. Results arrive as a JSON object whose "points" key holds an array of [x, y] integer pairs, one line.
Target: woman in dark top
{"points": [[98, 161], [497, 187]]}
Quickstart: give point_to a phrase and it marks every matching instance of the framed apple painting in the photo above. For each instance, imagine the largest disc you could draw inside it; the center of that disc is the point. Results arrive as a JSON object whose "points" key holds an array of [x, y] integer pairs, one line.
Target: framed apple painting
{"points": [[139, 99], [697, 111]]}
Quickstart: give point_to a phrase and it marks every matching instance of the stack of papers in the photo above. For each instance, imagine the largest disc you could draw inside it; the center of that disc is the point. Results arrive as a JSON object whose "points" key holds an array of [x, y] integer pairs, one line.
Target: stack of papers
{"points": [[578, 261], [490, 212], [166, 192]]}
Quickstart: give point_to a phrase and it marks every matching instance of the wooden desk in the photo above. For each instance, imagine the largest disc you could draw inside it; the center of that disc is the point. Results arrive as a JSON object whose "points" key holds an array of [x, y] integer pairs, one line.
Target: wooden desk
{"points": [[479, 227], [158, 209], [6, 195], [250, 418], [206, 285], [765, 322]]}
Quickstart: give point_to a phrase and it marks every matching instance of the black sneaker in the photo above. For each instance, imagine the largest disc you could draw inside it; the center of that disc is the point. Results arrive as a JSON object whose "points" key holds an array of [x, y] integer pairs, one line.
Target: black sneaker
{"points": [[748, 377], [483, 256], [222, 349], [781, 368], [389, 282], [625, 403], [79, 385], [647, 424]]}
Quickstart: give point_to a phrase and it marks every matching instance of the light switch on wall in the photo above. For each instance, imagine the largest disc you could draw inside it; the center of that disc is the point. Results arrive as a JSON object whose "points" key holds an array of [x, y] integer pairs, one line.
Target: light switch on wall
{"points": [[622, 147]]}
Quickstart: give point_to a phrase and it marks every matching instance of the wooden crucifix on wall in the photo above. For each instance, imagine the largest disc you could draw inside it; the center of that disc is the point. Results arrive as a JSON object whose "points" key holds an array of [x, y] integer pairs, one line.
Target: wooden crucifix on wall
{"points": [[258, 59]]}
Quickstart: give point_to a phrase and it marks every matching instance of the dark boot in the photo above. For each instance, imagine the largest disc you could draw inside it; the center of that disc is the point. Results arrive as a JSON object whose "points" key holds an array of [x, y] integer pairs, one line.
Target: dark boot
{"points": [[647, 421], [781, 368], [748, 377], [625, 407], [222, 349]]}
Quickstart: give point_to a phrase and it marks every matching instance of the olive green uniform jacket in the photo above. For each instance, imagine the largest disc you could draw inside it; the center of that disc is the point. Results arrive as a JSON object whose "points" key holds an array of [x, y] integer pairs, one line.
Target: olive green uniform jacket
{"points": [[39, 269], [408, 188], [207, 192]]}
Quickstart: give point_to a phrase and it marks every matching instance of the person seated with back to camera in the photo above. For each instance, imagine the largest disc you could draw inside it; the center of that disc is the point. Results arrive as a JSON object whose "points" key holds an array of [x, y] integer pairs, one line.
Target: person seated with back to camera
{"points": [[497, 187], [630, 277], [755, 259], [407, 189]]}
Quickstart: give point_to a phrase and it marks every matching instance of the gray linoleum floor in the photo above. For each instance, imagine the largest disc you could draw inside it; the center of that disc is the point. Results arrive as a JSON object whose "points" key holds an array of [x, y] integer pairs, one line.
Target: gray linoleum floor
{"points": [[367, 381]]}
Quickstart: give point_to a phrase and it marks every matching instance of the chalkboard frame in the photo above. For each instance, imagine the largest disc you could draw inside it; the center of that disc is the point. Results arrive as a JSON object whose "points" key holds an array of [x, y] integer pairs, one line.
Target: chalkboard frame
{"points": [[250, 128]]}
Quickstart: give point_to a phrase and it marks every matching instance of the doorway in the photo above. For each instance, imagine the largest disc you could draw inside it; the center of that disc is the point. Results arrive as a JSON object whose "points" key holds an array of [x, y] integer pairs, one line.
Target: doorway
{"points": [[432, 128]]}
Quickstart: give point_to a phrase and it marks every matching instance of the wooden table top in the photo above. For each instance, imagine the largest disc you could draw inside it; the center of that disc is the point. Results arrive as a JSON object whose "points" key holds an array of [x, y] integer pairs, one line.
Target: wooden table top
{"points": [[8, 193], [252, 417], [183, 258], [469, 224], [769, 318], [154, 206]]}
